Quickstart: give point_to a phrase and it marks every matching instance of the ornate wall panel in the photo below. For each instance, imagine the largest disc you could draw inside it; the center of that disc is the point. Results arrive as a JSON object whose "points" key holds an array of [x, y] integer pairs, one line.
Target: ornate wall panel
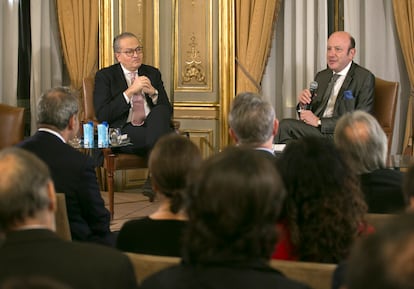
{"points": [[193, 45]]}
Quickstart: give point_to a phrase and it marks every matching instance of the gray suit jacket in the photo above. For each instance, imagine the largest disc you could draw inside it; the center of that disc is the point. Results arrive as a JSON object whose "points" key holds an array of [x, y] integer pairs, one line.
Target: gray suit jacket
{"points": [[359, 81]]}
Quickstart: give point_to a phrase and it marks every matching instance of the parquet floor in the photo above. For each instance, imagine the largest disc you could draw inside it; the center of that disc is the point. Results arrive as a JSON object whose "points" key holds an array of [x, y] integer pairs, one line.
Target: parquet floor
{"points": [[129, 205]]}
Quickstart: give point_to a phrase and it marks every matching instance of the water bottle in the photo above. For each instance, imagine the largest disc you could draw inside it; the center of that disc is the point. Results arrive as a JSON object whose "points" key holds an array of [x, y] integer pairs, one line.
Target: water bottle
{"points": [[88, 135], [103, 138]]}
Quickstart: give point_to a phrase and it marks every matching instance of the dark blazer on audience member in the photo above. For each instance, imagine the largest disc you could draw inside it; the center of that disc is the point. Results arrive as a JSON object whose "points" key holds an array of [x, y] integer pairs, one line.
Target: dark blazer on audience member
{"points": [[153, 237], [79, 265], [222, 275], [382, 189], [74, 175]]}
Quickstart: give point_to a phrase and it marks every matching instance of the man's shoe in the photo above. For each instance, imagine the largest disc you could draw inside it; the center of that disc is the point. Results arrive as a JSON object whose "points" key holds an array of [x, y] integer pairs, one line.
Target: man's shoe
{"points": [[147, 190]]}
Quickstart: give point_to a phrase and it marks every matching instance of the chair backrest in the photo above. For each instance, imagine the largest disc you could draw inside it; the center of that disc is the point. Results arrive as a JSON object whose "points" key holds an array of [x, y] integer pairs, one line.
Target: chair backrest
{"points": [[11, 125], [61, 218], [316, 275], [379, 220], [385, 105], [88, 87], [146, 265]]}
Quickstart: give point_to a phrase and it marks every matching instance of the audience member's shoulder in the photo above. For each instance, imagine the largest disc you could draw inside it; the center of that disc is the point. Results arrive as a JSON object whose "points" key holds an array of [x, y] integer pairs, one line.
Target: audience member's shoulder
{"points": [[98, 252], [219, 277]]}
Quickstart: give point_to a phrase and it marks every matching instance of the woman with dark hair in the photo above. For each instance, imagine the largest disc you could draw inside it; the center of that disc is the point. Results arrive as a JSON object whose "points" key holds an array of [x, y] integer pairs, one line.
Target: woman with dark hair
{"points": [[233, 204], [324, 208], [171, 161]]}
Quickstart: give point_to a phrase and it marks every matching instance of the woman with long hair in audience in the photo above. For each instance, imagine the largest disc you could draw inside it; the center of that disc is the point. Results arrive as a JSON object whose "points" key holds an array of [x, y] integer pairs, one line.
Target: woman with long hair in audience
{"points": [[324, 209], [171, 161]]}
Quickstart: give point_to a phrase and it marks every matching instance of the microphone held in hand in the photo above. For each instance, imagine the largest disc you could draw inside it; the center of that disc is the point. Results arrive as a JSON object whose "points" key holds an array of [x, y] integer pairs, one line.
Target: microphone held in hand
{"points": [[313, 86]]}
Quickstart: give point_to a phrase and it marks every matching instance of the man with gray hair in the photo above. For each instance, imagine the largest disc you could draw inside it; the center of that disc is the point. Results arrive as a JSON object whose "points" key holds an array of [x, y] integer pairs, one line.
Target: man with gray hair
{"points": [[359, 135], [73, 172], [253, 122], [31, 248]]}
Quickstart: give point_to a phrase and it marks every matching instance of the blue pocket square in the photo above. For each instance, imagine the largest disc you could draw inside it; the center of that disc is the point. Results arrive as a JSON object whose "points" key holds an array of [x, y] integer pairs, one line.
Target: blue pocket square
{"points": [[348, 94]]}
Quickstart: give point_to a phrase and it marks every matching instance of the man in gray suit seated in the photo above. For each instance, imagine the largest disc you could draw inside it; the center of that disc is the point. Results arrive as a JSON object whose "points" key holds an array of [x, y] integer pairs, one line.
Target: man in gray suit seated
{"points": [[344, 86]]}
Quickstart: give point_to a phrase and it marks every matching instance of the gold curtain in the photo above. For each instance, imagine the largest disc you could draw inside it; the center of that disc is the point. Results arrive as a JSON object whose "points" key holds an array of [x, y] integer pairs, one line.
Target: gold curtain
{"points": [[404, 20], [254, 27], [78, 27]]}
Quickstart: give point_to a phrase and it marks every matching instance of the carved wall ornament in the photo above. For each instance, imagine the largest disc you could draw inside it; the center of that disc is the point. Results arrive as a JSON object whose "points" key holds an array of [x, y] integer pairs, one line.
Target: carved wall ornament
{"points": [[193, 68]]}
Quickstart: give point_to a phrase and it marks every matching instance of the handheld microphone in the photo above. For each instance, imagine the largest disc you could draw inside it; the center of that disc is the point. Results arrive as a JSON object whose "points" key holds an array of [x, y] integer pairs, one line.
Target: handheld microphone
{"points": [[313, 86]]}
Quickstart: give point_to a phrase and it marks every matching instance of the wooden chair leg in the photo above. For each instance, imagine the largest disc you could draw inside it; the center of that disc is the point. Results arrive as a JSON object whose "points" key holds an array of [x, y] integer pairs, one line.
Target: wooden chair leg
{"points": [[110, 171]]}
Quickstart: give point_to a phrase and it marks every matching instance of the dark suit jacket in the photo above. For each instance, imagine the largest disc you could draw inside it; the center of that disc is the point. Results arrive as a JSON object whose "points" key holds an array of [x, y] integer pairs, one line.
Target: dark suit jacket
{"points": [[74, 175], [358, 80], [248, 275], [40, 252], [383, 191], [110, 83]]}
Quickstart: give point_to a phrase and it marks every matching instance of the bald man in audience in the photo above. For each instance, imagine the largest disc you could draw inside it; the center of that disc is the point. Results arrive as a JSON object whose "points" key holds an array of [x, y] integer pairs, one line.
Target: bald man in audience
{"points": [[31, 248], [359, 135]]}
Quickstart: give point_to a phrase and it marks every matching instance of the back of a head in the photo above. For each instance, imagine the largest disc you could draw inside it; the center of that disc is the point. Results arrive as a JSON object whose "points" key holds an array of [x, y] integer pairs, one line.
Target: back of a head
{"points": [[234, 202], [23, 186], [361, 137], [322, 192], [251, 117], [384, 259], [56, 106], [171, 161]]}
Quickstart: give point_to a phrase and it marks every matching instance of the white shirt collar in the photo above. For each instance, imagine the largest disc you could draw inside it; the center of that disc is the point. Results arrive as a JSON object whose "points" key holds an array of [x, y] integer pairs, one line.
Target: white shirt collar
{"points": [[345, 70], [127, 72], [52, 132]]}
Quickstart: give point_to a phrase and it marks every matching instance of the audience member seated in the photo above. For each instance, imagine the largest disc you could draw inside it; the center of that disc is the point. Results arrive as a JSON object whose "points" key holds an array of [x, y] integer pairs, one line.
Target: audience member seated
{"points": [[384, 260], [253, 123], [31, 248], [171, 161], [324, 209], [361, 138], [233, 204], [73, 172]]}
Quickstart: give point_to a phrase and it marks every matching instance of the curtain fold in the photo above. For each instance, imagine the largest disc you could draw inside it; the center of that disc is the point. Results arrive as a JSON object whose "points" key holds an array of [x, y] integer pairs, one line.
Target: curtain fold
{"points": [[254, 27], [404, 20], [78, 26], [46, 65], [298, 52], [372, 24], [9, 44]]}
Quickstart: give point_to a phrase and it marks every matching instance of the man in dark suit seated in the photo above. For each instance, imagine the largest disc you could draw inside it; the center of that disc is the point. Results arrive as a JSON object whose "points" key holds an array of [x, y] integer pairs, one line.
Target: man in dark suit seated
{"points": [[344, 86], [73, 172], [130, 95], [253, 122], [359, 135], [32, 249]]}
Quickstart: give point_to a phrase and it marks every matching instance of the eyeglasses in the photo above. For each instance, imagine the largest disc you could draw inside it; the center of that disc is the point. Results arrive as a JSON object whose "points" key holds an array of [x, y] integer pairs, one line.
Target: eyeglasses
{"points": [[131, 52]]}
